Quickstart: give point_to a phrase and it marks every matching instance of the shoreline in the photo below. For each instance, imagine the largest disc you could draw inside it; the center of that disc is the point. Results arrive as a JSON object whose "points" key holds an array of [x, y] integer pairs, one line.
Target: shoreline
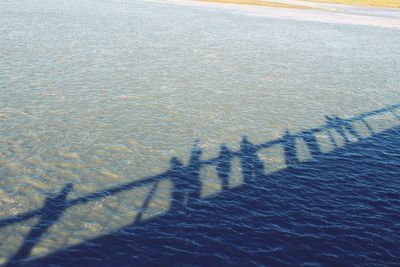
{"points": [[363, 3], [392, 4], [258, 3]]}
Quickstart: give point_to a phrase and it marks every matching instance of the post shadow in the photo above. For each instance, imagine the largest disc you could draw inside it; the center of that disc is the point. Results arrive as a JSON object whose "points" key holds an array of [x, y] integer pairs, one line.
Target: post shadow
{"points": [[336, 123], [123, 187], [252, 166], [328, 119], [395, 114], [146, 202], [224, 165], [371, 131], [346, 124], [311, 142], [195, 157], [192, 173], [143, 246], [180, 191], [340, 125], [54, 206], [289, 146]]}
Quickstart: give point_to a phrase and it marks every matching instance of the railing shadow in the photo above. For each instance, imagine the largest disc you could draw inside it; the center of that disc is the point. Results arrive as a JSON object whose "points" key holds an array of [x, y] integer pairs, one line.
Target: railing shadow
{"points": [[187, 205], [53, 208]]}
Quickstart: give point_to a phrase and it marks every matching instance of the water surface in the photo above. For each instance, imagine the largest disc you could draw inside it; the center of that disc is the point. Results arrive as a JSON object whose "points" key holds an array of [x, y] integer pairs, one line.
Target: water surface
{"points": [[100, 94]]}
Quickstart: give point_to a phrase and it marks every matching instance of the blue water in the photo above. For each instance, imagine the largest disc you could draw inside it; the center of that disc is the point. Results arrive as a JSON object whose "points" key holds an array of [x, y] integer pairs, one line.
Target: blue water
{"points": [[338, 209], [139, 133]]}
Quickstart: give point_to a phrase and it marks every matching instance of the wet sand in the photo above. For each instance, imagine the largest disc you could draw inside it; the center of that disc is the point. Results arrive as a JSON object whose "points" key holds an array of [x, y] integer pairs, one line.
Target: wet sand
{"points": [[102, 94], [259, 3], [376, 3], [315, 12], [304, 4]]}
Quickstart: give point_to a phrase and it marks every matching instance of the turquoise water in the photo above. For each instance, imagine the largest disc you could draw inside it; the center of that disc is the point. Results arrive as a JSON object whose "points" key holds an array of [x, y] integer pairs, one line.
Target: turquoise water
{"points": [[104, 93]]}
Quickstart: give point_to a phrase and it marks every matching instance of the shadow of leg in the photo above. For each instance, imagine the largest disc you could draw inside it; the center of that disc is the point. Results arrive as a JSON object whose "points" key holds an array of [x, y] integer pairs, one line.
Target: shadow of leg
{"points": [[54, 207]]}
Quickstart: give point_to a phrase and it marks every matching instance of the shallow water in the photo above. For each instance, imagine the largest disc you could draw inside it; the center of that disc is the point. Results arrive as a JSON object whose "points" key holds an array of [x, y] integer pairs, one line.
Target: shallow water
{"points": [[101, 94]]}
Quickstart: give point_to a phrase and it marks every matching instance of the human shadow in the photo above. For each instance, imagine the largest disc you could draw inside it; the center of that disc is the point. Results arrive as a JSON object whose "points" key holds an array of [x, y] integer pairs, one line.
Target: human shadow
{"points": [[311, 141], [224, 165], [252, 166], [283, 219], [54, 206], [192, 173], [180, 191], [247, 151], [259, 191], [290, 154], [341, 126]]}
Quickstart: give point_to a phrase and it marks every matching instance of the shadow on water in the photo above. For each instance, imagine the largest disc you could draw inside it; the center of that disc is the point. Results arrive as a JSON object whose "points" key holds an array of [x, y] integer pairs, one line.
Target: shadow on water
{"points": [[53, 208], [339, 207]]}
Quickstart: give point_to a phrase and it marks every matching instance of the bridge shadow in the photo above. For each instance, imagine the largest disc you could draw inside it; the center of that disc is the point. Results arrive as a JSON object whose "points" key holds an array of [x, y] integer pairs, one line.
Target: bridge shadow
{"points": [[54, 207], [333, 208]]}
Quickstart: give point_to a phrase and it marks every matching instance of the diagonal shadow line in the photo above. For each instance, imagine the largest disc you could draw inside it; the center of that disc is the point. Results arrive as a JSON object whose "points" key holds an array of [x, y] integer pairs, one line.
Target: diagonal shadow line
{"points": [[151, 179], [127, 233], [395, 114], [251, 168], [54, 207], [146, 202]]}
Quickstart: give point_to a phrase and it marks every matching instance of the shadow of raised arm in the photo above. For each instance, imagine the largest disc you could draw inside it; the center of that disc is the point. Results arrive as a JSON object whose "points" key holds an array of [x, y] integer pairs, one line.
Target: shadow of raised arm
{"points": [[186, 179]]}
